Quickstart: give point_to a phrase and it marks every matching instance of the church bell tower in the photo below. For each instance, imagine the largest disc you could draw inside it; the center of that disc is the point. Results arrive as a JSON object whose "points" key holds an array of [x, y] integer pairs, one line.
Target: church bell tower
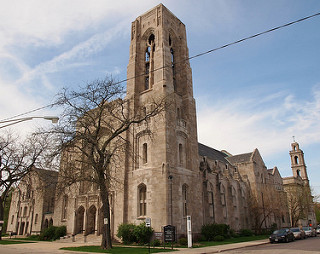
{"points": [[162, 174], [298, 166]]}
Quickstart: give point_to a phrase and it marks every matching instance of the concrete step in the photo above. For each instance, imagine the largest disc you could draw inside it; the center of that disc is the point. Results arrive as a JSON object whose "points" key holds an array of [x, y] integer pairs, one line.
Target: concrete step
{"points": [[92, 238]]}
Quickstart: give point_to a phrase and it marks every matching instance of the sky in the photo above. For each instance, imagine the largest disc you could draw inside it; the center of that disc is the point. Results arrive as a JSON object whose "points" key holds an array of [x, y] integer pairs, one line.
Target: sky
{"points": [[255, 94]]}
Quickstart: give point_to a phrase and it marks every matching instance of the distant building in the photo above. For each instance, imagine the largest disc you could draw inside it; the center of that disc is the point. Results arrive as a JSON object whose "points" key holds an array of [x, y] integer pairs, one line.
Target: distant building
{"points": [[172, 175], [32, 203], [299, 197]]}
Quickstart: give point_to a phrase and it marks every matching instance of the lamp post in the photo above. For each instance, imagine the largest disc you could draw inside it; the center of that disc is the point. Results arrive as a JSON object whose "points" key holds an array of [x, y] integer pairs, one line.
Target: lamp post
{"points": [[170, 177], [7, 123]]}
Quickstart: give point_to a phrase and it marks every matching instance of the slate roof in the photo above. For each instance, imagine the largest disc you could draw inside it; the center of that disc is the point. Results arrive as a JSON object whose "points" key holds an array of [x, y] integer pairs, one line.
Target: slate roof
{"points": [[240, 158], [212, 153]]}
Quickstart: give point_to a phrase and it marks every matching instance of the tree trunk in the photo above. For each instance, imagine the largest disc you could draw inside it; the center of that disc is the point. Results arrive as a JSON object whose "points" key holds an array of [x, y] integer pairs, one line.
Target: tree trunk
{"points": [[2, 203], [106, 242]]}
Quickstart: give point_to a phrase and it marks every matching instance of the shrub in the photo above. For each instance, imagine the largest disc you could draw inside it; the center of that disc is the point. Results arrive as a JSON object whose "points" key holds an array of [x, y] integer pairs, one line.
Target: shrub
{"points": [[48, 234], [125, 232], [52, 233], [34, 237], [142, 233], [246, 232], [233, 233], [209, 231], [218, 238], [183, 241], [156, 242], [60, 231]]}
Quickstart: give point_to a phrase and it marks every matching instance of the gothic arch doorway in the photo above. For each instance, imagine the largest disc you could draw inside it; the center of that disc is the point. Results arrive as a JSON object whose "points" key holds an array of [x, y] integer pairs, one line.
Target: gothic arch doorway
{"points": [[21, 228], [51, 222], [79, 220], [91, 222], [46, 223]]}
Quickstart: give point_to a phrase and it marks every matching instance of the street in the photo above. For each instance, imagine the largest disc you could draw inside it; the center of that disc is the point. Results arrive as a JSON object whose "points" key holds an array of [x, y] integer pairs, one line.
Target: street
{"points": [[309, 245]]}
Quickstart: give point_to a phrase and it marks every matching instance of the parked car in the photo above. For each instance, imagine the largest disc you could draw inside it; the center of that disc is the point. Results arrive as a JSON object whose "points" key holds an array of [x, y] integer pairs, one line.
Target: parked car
{"points": [[298, 233], [318, 230], [309, 231], [281, 235]]}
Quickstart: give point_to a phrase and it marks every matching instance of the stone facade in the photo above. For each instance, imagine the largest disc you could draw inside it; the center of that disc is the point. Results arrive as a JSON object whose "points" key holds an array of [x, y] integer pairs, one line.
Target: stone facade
{"points": [[169, 175], [32, 204]]}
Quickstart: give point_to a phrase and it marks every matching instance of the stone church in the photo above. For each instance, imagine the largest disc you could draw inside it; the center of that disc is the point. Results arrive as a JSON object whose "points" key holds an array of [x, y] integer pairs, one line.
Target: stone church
{"points": [[175, 176]]}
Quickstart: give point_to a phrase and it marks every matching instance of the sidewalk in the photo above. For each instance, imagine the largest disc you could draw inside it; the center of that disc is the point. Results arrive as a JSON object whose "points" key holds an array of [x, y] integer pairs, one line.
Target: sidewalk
{"points": [[221, 248], [53, 247]]}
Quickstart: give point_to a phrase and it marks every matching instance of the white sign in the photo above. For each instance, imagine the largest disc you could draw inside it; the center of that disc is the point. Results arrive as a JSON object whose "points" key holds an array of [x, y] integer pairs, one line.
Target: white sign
{"points": [[148, 222], [105, 221], [189, 232], [1, 221]]}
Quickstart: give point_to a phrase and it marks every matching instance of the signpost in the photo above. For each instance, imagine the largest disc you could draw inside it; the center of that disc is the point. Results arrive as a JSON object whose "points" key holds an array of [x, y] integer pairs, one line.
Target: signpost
{"points": [[189, 232], [148, 224], [169, 234]]}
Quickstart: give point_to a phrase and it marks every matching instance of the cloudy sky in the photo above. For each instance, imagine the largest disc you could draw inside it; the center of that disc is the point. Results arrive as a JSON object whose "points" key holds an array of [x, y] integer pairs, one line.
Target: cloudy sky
{"points": [[256, 94]]}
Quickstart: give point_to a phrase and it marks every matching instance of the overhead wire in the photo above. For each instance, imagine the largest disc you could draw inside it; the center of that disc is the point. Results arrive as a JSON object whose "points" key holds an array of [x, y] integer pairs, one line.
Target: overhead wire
{"points": [[187, 59]]}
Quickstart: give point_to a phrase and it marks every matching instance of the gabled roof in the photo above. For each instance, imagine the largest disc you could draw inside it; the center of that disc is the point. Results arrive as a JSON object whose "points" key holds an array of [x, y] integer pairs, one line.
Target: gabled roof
{"points": [[240, 158], [212, 153]]}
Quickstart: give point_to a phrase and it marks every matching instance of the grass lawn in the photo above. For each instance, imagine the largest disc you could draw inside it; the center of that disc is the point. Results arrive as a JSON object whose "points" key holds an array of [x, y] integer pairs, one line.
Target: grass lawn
{"points": [[30, 238], [117, 250], [231, 240], [5, 242], [142, 250]]}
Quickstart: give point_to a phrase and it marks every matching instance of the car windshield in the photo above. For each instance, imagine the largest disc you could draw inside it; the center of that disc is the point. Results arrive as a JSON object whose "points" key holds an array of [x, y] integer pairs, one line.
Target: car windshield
{"points": [[306, 228], [280, 231], [295, 229]]}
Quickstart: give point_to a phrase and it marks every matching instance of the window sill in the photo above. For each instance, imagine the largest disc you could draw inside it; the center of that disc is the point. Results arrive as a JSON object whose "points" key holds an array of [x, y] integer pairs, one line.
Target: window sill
{"points": [[145, 91]]}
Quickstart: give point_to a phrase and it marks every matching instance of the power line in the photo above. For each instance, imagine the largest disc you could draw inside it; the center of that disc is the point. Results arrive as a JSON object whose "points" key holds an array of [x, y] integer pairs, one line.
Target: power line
{"points": [[189, 58]]}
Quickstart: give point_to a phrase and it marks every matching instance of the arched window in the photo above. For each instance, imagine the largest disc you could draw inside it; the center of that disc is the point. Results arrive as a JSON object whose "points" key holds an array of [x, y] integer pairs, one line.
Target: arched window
{"points": [[28, 191], [185, 199], [145, 153], [178, 113], [142, 190], [298, 172], [64, 207], [173, 68], [25, 209], [181, 155], [147, 68], [296, 160], [211, 202], [148, 61]]}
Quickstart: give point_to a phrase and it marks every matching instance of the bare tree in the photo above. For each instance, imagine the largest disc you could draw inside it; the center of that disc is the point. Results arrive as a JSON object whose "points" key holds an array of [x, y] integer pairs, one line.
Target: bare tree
{"points": [[17, 159], [267, 206], [93, 129], [299, 202]]}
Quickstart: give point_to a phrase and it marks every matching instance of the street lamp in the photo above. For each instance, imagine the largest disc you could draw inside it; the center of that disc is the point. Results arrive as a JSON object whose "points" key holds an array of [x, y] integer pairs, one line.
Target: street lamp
{"points": [[53, 119]]}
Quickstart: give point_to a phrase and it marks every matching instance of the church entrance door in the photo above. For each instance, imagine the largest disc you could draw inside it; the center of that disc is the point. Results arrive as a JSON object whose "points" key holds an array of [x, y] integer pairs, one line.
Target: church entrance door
{"points": [[80, 218]]}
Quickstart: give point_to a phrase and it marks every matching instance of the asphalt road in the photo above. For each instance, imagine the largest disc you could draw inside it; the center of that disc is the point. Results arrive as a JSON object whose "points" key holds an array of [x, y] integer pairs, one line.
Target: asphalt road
{"points": [[307, 246]]}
